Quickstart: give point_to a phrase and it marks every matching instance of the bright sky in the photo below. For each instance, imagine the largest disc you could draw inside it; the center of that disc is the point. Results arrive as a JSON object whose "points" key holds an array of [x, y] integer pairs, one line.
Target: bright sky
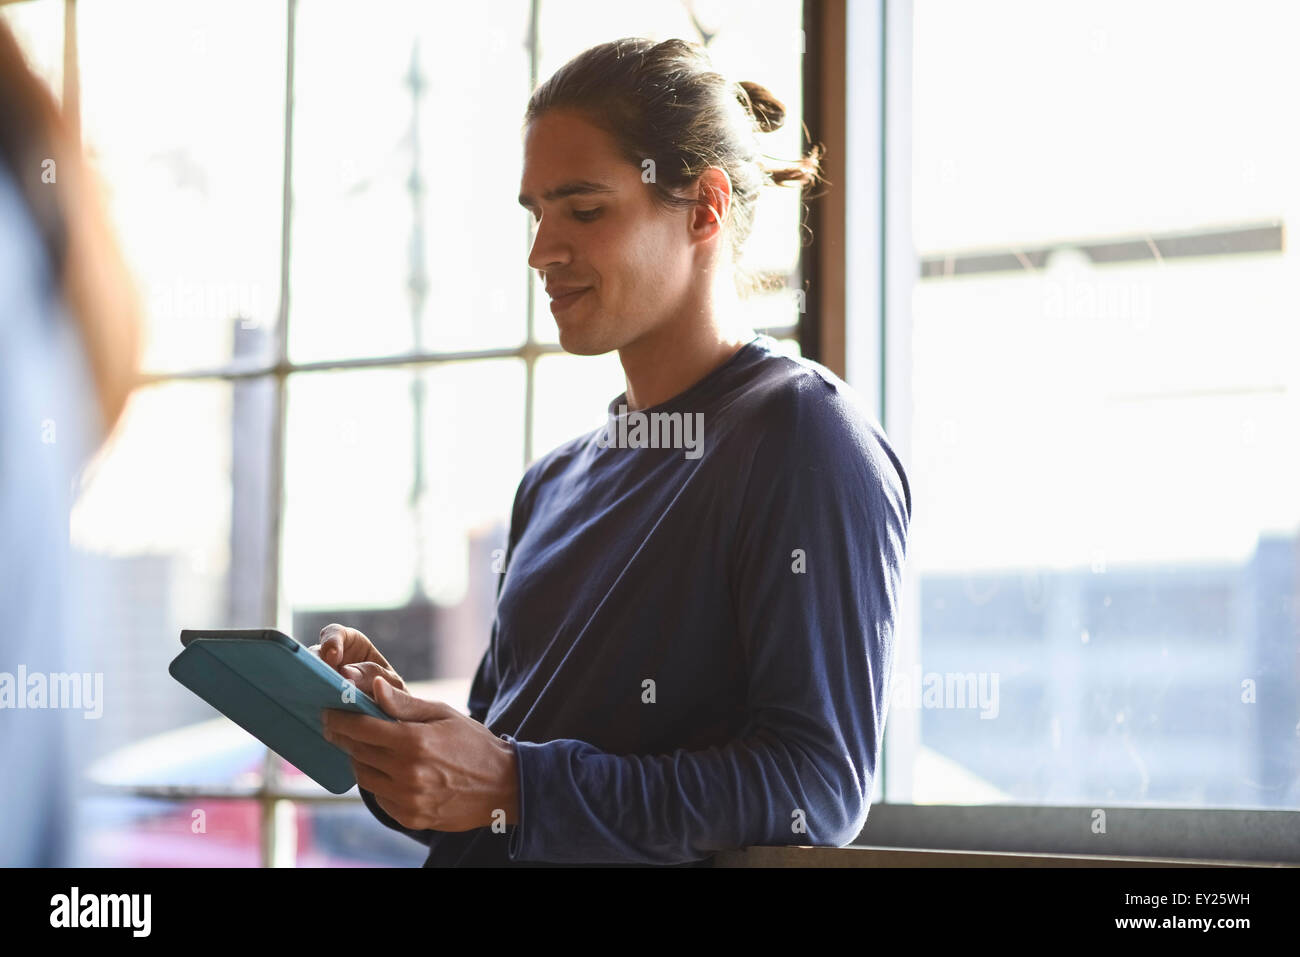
{"points": [[1137, 412]]}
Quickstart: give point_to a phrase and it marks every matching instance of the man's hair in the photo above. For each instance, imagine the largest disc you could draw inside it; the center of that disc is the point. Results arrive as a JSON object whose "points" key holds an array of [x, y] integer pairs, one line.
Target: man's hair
{"points": [[665, 102]]}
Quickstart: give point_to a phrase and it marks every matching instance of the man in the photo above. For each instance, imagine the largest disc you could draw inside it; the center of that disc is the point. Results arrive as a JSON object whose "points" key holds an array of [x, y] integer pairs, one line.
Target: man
{"points": [[693, 643]]}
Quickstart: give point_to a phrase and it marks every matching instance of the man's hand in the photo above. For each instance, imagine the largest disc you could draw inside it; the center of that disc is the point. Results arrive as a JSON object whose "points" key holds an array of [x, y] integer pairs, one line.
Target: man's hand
{"points": [[432, 769], [352, 655]]}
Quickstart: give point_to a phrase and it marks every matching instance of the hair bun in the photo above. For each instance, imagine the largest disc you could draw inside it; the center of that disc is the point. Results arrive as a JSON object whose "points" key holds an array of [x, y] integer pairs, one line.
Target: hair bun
{"points": [[767, 110]]}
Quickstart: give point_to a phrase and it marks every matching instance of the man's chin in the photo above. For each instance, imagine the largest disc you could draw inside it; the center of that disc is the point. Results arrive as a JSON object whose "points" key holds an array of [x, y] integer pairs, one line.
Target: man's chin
{"points": [[584, 341]]}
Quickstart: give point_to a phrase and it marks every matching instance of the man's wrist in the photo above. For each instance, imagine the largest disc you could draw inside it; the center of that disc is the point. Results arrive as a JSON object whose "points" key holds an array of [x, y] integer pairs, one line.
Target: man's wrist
{"points": [[509, 782]]}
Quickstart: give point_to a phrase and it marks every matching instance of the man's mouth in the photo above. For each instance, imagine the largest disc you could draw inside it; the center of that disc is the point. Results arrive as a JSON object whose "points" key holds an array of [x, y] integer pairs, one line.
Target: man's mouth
{"points": [[566, 299]]}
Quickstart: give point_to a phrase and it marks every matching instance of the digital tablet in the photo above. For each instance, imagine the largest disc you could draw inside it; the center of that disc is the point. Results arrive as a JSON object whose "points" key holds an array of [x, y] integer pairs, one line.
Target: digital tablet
{"points": [[275, 689]]}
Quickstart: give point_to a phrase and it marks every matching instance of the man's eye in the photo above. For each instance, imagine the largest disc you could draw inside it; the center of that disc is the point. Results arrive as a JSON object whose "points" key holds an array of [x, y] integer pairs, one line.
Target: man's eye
{"points": [[586, 215]]}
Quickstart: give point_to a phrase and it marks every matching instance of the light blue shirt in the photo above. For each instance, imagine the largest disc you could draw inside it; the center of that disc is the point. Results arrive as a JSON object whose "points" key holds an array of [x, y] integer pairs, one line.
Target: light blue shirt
{"points": [[48, 422]]}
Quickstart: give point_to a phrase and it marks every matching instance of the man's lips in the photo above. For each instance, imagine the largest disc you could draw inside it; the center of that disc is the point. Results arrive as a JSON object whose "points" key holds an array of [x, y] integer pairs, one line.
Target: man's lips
{"points": [[562, 297]]}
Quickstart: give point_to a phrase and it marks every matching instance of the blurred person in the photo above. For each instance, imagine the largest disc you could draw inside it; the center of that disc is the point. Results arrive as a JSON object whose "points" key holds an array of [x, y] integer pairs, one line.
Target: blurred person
{"points": [[693, 639], [69, 357]]}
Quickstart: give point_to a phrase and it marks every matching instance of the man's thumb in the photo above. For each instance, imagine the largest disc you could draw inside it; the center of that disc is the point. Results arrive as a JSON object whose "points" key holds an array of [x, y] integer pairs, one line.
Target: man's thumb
{"points": [[400, 705]]}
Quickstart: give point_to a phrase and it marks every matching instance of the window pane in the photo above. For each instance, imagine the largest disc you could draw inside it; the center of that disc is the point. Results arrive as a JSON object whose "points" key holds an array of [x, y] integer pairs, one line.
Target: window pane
{"points": [[380, 267], [406, 555], [1102, 442], [171, 526], [1098, 158], [183, 111], [790, 347], [761, 42], [573, 396], [779, 309]]}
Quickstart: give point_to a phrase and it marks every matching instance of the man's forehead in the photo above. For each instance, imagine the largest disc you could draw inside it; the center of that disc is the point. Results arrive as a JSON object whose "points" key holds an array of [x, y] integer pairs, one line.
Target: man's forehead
{"points": [[565, 155]]}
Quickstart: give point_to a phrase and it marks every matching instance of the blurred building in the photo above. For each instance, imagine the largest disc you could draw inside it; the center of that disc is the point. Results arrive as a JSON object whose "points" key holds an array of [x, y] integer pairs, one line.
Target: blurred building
{"points": [[1163, 684]]}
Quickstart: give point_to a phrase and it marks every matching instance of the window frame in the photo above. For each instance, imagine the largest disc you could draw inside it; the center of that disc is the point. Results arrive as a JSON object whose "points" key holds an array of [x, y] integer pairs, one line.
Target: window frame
{"points": [[856, 100], [275, 796], [875, 69]]}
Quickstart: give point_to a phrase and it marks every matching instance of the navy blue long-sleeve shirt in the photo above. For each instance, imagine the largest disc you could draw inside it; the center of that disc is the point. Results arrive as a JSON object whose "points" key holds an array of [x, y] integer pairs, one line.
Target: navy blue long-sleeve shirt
{"points": [[692, 646]]}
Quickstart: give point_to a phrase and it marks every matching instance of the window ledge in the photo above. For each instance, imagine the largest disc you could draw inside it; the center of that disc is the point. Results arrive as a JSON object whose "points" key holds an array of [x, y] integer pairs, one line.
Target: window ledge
{"points": [[863, 856]]}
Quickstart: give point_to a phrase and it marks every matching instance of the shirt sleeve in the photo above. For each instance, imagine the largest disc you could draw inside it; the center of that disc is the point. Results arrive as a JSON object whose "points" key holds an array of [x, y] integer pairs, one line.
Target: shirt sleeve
{"points": [[816, 564], [48, 429]]}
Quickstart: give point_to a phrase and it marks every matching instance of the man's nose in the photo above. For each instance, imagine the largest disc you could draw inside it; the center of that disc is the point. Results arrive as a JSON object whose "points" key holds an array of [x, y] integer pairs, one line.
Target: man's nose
{"points": [[549, 250]]}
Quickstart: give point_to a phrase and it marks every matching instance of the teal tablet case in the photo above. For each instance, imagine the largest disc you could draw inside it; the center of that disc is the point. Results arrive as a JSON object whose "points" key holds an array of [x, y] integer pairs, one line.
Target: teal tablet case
{"points": [[275, 689]]}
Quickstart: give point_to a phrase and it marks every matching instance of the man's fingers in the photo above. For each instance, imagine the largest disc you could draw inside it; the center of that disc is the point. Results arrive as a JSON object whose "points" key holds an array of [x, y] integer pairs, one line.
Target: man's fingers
{"points": [[405, 706], [353, 741], [391, 735], [381, 759], [329, 649], [398, 812], [341, 645], [373, 780], [389, 795], [363, 674]]}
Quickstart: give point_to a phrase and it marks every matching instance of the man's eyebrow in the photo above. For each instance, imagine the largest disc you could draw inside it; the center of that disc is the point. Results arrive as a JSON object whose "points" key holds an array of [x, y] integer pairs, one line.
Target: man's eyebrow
{"points": [[572, 188]]}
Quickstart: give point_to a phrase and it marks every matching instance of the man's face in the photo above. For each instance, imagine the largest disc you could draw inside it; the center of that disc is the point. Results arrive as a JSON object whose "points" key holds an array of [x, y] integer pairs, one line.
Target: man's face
{"points": [[597, 229]]}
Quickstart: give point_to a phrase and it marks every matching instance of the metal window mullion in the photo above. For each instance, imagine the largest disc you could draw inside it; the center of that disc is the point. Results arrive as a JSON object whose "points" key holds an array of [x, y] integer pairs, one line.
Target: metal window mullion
{"points": [[287, 368], [882, 307], [530, 383], [868, 78], [899, 266], [184, 793], [531, 346], [270, 843]]}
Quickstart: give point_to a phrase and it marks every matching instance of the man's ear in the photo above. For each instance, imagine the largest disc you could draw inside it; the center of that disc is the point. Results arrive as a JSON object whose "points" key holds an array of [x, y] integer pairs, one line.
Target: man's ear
{"points": [[714, 201]]}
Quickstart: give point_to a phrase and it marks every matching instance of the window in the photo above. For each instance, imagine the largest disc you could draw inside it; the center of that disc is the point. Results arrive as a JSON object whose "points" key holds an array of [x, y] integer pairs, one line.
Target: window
{"points": [[349, 366], [1089, 361]]}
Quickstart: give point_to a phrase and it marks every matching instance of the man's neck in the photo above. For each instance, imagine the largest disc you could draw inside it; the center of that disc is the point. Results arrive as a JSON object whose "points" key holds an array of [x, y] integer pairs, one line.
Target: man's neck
{"points": [[676, 355]]}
